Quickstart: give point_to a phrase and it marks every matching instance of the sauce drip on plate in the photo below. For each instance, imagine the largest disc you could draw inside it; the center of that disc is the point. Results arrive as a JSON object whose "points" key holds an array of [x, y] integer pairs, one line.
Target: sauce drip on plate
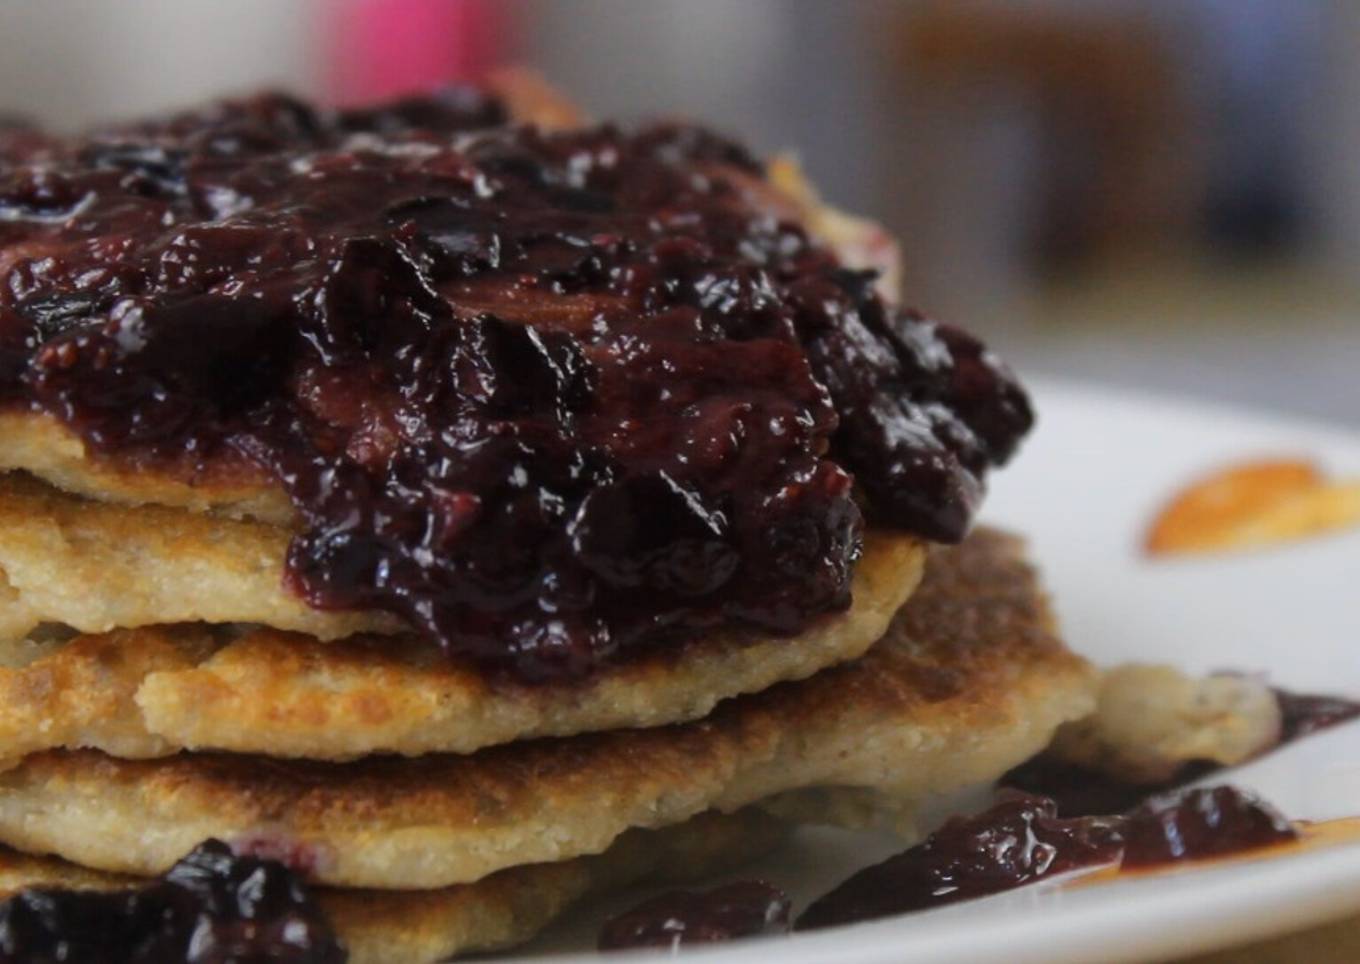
{"points": [[746, 908], [1022, 839]]}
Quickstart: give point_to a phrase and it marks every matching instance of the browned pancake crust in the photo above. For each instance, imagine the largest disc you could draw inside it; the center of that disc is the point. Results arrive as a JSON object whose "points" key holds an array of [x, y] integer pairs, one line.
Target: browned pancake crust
{"points": [[505, 909], [969, 681]]}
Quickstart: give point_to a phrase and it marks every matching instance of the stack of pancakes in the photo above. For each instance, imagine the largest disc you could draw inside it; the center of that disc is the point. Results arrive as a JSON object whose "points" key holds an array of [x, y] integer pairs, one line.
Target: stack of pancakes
{"points": [[451, 813], [160, 685]]}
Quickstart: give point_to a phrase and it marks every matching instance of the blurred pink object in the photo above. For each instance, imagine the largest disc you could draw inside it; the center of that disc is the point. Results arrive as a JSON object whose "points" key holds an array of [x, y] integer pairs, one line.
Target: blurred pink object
{"points": [[382, 48]]}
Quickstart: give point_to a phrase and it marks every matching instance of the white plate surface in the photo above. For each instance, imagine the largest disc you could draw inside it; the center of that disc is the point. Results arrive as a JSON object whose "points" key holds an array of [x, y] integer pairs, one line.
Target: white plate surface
{"points": [[1097, 468]]}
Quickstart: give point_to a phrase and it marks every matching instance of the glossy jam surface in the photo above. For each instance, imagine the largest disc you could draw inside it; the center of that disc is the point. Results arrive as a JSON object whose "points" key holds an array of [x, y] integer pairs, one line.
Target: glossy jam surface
{"points": [[1022, 839], [546, 395], [1302, 714], [746, 908], [1200, 823], [1016, 842], [210, 908]]}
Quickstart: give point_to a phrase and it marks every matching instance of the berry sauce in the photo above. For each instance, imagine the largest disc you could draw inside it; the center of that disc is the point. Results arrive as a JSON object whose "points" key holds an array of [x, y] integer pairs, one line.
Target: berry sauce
{"points": [[1022, 839], [747, 908], [1080, 791], [546, 395], [1019, 840], [1302, 714], [1199, 824], [210, 908]]}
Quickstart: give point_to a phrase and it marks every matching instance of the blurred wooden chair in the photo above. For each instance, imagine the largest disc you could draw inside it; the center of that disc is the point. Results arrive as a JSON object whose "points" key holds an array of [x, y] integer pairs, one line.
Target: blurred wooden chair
{"points": [[1118, 165]]}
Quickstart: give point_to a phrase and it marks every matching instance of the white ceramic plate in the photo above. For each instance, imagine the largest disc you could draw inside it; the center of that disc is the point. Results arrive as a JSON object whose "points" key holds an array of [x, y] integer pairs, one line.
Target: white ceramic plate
{"points": [[1084, 488]]}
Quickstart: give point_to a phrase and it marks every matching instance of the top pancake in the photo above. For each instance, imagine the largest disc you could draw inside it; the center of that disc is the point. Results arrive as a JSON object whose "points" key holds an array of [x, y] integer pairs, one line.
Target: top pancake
{"points": [[969, 681], [39, 444]]}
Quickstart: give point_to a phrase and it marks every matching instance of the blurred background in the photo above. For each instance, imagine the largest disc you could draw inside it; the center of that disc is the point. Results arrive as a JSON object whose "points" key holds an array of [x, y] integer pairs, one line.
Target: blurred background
{"points": [[1150, 193]]}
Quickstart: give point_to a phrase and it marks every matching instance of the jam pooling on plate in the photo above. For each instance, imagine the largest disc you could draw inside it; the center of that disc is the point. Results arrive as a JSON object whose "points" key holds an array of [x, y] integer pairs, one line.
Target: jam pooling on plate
{"points": [[211, 908], [545, 394], [1198, 824], [746, 908], [1302, 714], [1022, 839]]}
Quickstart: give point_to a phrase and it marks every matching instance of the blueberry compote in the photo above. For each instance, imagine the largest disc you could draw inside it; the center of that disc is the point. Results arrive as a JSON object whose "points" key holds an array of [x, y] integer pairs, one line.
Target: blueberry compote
{"points": [[746, 908], [1019, 840], [545, 394], [1022, 839], [210, 908]]}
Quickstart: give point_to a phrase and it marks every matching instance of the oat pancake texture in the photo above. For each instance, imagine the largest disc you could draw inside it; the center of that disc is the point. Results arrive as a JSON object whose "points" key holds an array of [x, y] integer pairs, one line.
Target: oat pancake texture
{"points": [[152, 690], [500, 911], [96, 567], [969, 681]]}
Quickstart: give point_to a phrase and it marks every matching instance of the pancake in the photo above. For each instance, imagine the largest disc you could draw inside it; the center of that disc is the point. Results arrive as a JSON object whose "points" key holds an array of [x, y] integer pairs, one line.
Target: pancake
{"points": [[530, 99], [43, 446], [150, 691], [505, 909], [969, 680], [1152, 721]]}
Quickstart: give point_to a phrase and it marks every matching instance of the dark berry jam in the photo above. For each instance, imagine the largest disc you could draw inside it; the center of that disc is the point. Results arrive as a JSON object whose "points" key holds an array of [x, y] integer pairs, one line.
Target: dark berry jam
{"points": [[1022, 839], [1018, 841], [747, 908], [1302, 714], [210, 908], [1080, 791], [546, 395], [1200, 823]]}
